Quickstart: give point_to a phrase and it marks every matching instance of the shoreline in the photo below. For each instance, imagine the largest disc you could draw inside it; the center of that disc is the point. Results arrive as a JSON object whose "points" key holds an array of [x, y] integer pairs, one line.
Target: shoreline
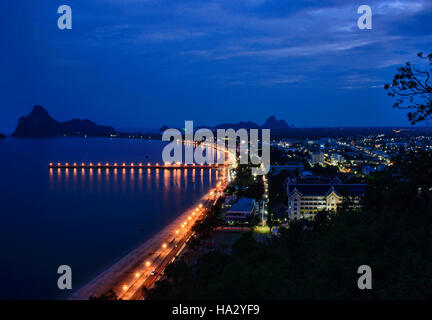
{"points": [[125, 269]]}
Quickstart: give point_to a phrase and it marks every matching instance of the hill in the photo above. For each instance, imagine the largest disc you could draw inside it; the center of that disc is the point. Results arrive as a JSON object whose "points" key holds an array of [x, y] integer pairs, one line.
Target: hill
{"points": [[40, 124]]}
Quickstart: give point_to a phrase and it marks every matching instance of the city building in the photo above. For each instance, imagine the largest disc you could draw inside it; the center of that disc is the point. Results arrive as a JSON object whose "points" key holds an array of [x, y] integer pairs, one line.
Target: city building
{"points": [[317, 158], [336, 158], [307, 198], [294, 166], [241, 211]]}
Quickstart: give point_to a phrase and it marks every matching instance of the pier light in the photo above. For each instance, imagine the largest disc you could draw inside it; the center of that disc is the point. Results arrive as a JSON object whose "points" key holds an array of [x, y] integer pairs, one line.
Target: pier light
{"points": [[140, 164], [107, 164], [50, 163], [124, 287], [75, 164], [132, 164], [147, 263], [82, 163], [91, 164], [115, 164], [99, 164], [157, 163], [178, 163], [166, 163], [164, 245], [148, 164], [66, 164], [124, 164], [137, 274]]}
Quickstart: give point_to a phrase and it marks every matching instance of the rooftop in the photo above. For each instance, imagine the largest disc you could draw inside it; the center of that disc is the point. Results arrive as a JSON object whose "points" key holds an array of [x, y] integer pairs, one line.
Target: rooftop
{"points": [[325, 189]]}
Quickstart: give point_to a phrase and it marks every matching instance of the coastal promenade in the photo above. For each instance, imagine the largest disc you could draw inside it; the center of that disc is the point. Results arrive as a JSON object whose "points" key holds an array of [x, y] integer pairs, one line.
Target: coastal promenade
{"points": [[144, 265]]}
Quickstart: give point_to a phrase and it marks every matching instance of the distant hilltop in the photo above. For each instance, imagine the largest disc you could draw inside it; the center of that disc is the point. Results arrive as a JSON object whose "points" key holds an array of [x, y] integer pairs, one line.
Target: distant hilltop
{"points": [[271, 123], [39, 124]]}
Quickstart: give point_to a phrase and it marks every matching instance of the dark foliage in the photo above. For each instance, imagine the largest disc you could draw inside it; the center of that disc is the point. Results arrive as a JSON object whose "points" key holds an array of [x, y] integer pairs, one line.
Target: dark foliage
{"points": [[413, 90], [110, 295]]}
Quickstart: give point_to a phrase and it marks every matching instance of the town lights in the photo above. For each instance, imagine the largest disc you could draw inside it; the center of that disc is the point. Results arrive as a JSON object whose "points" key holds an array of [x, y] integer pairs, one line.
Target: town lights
{"points": [[137, 274], [164, 245], [125, 287], [177, 232], [147, 264]]}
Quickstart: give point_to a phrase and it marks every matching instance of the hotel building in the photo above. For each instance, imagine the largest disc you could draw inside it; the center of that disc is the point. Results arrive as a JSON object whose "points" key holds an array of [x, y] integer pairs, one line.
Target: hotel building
{"points": [[307, 197]]}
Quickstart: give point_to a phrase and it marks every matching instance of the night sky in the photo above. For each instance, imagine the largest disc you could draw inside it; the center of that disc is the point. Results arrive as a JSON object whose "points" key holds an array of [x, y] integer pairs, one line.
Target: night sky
{"points": [[145, 63]]}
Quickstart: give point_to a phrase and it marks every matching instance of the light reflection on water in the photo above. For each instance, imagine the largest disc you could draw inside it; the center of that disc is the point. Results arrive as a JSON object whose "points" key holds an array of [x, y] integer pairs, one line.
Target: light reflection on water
{"points": [[129, 181]]}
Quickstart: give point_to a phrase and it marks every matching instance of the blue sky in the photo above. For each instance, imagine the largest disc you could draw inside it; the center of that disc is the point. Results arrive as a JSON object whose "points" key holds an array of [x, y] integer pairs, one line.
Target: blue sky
{"points": [[145, 63]]}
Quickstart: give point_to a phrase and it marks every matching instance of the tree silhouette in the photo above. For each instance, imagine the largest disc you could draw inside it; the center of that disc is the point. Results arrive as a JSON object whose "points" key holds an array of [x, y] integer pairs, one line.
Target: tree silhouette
{"points": [[413, 90]]}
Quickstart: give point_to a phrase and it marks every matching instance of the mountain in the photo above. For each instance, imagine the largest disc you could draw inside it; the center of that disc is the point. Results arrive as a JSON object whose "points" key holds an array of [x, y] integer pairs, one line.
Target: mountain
{"points": [[40, 124], [272, 123], [242, 124]]}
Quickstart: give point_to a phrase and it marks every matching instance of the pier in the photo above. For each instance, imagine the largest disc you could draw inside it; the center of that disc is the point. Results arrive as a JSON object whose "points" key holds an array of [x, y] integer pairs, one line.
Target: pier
{"points": [[132, 165]]}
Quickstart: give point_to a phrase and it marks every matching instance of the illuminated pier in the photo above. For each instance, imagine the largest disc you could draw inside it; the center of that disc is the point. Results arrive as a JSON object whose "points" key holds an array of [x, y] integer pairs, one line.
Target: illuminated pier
{"points": [[132, 165]]}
